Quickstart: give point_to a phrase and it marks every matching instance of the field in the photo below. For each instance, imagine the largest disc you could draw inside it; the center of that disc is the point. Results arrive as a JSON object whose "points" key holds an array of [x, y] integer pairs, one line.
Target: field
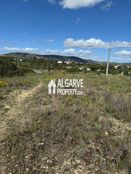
{"points": [[42, 134]]}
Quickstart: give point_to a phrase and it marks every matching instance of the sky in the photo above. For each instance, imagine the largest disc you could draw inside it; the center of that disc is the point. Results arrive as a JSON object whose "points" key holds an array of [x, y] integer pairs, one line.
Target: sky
{"points": [[83, 28]]}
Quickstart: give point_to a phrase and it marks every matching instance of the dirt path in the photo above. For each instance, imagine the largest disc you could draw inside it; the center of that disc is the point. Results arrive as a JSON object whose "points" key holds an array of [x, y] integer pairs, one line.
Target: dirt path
{"points": [[20, 107], [14, 107]]}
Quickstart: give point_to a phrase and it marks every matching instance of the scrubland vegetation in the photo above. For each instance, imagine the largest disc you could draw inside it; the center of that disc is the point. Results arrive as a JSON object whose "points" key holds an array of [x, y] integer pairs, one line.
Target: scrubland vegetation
{"points": [[42, 134], [18, 66]]}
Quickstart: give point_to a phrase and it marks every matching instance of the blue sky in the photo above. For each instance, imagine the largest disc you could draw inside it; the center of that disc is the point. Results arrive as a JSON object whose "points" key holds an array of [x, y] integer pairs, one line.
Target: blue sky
{"points": [[85, 28]]}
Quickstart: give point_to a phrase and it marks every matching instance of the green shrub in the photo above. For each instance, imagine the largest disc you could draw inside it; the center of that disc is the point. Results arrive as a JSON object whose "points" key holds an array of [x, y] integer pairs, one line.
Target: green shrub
{"points": [[2, 83]]}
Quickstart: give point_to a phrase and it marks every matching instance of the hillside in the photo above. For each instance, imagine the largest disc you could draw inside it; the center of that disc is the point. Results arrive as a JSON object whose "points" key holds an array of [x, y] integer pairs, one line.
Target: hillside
{"points": [[51, 57], [20, 63], [60, 57]]}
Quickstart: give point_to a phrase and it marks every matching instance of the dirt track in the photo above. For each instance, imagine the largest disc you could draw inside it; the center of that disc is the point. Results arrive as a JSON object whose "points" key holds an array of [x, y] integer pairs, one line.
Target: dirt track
{"points": [[14, 106], [11, 111]]}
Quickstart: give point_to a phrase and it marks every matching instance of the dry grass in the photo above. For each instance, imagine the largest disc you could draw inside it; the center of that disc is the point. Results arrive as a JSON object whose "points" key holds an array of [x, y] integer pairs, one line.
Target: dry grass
{"points": [[70, 134]]}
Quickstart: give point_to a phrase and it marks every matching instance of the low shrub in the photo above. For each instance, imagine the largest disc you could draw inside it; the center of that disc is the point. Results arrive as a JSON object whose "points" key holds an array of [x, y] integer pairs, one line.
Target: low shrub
{"points": [[3, 83]]}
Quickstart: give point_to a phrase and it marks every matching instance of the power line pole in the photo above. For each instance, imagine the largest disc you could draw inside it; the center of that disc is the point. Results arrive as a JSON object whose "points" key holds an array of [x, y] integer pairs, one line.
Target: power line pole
{"points": [[18, 63], [108, 62]]}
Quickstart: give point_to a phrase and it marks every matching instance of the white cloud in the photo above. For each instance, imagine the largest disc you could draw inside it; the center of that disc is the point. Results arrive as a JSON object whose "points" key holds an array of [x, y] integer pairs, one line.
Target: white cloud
{"points": [[120, 44], [75, 4], [50, 51], [91, 43], [95, 43], [123, 53], [78, 53], [72, 51], [18, 49], [69, 52], [107, 5]]}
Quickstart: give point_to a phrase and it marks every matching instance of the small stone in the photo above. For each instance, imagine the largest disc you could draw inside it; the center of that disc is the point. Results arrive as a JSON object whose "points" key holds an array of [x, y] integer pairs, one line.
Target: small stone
{"points": [[7, 108]]}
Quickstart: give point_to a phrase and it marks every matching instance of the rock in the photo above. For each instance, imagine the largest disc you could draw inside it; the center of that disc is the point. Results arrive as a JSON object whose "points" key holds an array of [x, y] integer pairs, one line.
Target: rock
{"points": [[7, 108]]}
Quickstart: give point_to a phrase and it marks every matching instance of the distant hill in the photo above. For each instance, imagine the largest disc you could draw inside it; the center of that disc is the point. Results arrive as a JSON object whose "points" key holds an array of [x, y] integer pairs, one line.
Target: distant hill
{"points": [[51, 57]]}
